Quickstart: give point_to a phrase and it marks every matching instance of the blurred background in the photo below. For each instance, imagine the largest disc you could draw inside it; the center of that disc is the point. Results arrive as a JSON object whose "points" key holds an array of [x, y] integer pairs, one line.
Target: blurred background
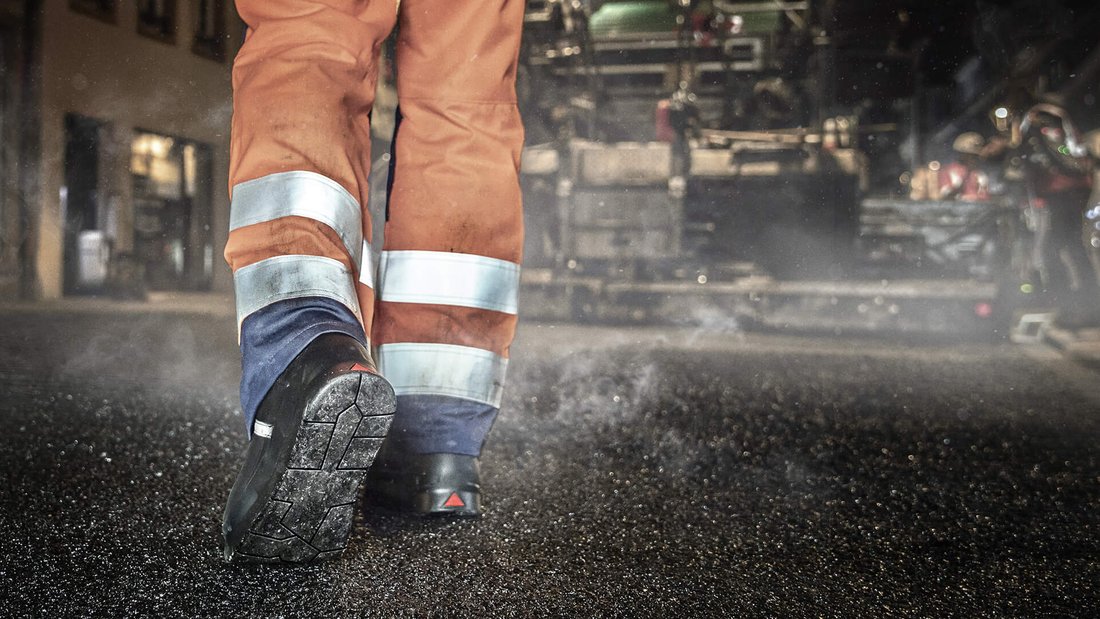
{"points": [[886, 165], [715, 190]]}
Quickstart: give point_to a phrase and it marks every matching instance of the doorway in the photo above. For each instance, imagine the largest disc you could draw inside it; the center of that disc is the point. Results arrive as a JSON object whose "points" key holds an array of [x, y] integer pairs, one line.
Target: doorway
{"points": [[79, 195]]}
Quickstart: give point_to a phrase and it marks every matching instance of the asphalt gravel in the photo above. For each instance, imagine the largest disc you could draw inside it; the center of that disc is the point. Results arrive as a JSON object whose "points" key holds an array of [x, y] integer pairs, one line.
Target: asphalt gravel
{"points": [[633, 472]]}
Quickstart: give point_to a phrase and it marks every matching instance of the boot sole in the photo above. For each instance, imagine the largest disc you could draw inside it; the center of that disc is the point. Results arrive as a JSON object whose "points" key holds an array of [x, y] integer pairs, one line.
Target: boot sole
{"points": [[298, 489]]}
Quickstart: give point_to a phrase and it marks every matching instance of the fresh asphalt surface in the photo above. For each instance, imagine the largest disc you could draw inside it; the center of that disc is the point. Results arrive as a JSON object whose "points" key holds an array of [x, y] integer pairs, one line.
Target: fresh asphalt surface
{"points": [[636, 472]]}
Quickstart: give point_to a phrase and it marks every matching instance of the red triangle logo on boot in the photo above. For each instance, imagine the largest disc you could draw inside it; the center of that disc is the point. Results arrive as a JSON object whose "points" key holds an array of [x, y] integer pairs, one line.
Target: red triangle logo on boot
{"points": [[359, 367], [454, 501]]}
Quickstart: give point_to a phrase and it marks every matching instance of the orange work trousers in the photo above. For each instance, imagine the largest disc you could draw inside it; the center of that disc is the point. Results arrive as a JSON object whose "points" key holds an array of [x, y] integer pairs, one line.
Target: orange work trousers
{"points": [[441, 311]]}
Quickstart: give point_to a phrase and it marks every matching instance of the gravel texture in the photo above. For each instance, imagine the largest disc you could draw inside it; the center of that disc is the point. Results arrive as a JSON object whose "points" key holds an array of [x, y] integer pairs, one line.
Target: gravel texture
{"points": [[632, 473]]}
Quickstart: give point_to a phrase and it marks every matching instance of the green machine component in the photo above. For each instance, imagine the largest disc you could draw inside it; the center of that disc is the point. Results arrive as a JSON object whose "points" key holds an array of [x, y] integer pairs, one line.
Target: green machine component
{"points": [[632, 17]]}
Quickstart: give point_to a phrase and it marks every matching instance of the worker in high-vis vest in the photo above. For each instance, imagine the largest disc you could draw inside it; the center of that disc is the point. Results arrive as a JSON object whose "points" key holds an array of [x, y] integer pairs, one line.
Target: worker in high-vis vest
{"points": [[359, 382]]}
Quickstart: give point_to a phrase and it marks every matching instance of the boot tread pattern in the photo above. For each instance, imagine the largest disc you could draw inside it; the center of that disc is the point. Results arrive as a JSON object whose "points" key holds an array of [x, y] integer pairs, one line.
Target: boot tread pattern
{"points": [[311, 511]]}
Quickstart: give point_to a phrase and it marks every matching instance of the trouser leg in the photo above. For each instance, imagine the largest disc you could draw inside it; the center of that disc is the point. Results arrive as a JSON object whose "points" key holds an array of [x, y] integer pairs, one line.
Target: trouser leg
{"points": [[1045, 255], [1067, 230], [449, 275], [303, 83], [1070, 224]]}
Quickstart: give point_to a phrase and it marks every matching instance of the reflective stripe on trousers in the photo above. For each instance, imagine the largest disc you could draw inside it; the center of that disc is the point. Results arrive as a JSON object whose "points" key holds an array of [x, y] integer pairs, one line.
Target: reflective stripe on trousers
{"points": [[304, 84]]}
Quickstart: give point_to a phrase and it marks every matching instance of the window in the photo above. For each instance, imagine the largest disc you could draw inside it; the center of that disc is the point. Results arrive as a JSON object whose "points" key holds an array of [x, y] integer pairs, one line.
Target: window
{"points": [[173, 210], [100, 9], [210, 30], [157, 19]]}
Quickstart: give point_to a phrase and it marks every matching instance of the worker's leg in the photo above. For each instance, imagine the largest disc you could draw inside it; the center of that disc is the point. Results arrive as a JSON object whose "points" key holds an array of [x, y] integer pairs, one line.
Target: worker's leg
{"points": [[449, 274], [303, 86], [1047, 256], [315, 409], [1079, 306]]}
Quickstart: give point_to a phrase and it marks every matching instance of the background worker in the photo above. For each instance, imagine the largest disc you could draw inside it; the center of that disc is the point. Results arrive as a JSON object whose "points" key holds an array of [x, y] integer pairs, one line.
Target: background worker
{"points": [[1058, 177]]}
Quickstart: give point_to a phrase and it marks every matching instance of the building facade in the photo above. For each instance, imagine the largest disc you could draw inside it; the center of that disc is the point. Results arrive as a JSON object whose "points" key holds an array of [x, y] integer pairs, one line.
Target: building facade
{"points": [[115, 120]]}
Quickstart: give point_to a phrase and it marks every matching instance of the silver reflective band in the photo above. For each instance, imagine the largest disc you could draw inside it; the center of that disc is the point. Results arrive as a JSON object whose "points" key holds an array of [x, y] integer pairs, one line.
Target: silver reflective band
{"points": [[299, 194], [444, 278], [262, 429], [366, 267], [444, 369], [290, 277]]}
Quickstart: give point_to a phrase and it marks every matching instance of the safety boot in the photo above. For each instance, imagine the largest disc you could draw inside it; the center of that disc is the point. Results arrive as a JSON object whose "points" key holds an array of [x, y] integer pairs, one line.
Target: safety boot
{"points": [[316, 434], [437, 484]]}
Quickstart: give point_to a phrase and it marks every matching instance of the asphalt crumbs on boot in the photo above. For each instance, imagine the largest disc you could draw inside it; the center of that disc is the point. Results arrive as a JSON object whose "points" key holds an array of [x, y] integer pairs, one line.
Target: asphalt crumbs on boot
{"points": [[308, 513]]}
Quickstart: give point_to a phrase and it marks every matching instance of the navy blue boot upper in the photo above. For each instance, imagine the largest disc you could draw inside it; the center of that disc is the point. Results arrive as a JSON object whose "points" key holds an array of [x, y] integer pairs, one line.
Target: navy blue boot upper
{"points": [[272, 337]]}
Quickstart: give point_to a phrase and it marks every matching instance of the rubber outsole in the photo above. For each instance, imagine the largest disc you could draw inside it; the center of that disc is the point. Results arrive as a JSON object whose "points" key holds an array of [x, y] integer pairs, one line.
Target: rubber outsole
{"points": [[299, 490]]}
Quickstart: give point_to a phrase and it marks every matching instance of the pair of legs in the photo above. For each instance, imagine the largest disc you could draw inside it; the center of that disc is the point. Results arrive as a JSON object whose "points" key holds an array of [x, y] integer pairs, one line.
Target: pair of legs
{"points": [[1066, 272], [440, 313]]}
